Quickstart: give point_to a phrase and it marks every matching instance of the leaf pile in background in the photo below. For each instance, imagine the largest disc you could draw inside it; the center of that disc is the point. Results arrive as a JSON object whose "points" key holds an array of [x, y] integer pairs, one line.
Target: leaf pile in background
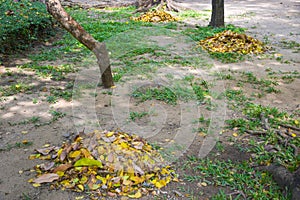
{"points": [[155, 16], [228, 41], [104, 164]]}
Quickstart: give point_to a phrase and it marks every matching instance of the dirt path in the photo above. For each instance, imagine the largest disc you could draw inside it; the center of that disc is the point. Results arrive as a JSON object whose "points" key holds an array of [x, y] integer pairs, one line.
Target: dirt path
{"points": [[274, 22]]}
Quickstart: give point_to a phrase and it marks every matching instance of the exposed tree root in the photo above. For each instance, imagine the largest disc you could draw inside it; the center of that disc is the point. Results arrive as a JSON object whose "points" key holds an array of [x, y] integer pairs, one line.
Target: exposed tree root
{"points": [[284, 178]]}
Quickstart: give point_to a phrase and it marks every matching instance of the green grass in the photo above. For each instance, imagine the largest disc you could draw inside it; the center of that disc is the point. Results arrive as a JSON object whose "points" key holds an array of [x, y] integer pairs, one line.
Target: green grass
{"points": [[66, 93], [159, 93], [14, 88], [16, 145], [254, 120], [295, 46], [234, 176], [194, 14], [32, 120], [57, 72], [137, 115], [22, 23]]}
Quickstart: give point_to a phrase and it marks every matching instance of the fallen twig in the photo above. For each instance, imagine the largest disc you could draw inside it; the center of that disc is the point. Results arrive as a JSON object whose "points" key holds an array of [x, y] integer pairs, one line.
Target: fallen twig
{"points": [[291, 127], [256, 132]]}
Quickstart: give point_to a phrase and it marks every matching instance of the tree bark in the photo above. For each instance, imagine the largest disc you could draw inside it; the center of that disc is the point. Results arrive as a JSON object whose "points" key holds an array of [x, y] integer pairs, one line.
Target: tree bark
{"points": [[98, 48], [217, 16]]}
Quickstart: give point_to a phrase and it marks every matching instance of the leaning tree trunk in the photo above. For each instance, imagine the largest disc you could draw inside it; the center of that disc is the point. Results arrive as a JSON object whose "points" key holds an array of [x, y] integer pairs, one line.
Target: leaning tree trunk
{"points": [[217, 16], [145, 5], [98, 48]]}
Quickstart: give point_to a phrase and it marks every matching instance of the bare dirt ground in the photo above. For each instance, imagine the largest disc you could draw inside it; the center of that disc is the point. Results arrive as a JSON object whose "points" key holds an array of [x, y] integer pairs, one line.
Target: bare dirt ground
{"points": [[273, 21]]}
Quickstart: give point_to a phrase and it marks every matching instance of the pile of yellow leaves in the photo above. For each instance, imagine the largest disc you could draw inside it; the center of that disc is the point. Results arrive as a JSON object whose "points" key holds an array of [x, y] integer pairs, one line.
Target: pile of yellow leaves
{"points": [[105, 164], [155, 16], [228, 41]]}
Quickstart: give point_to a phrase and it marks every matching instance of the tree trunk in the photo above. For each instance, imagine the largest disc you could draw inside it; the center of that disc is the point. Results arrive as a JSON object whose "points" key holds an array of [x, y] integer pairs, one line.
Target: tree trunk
{"points": [[145, 5], [217, 16], [99, 49]]}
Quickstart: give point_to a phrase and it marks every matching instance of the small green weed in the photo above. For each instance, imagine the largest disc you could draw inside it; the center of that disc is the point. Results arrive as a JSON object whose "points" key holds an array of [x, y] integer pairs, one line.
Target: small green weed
{"points": [[32, 120], [17, 145], [56, 93], [137, 115], [14, 89], [291, 45], [56, 115], [51, 99]]}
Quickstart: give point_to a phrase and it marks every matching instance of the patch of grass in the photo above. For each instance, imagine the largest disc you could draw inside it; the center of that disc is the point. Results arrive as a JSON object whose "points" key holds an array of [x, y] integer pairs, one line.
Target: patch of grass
{"points": [[265, 85], [201, 90], [236, 176], [32, 120], [49, 71], [194, 14], [32, 19], [291, 45], [287, 77], [23, 144], [255, 119], [51, 99], [137, 115], [236, 97], [15, 88], [228, 57], [159, 93], [56, 115], [56, 93]]}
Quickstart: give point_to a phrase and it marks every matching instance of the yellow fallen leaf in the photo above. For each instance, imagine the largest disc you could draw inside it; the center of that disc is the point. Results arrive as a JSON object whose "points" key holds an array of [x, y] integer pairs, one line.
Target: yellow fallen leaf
{"points": [[234, 134], [46, 145], [87, 162], [25, 141], [137, 195], [124, 145], [75, 154], [80, 187], [204, 184], [60, 173], [109, 134], [127, 182], [36, 184]]}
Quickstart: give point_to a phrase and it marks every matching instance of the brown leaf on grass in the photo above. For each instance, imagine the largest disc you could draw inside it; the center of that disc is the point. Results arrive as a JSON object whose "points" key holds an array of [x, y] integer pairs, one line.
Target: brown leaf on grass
{"points": [[46, 178]]}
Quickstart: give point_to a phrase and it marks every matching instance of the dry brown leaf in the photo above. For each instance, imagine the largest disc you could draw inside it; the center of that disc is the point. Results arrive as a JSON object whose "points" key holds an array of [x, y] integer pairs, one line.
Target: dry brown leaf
{"points": [[45, 151], [47, 166], [46, 178], [62, 167]]}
